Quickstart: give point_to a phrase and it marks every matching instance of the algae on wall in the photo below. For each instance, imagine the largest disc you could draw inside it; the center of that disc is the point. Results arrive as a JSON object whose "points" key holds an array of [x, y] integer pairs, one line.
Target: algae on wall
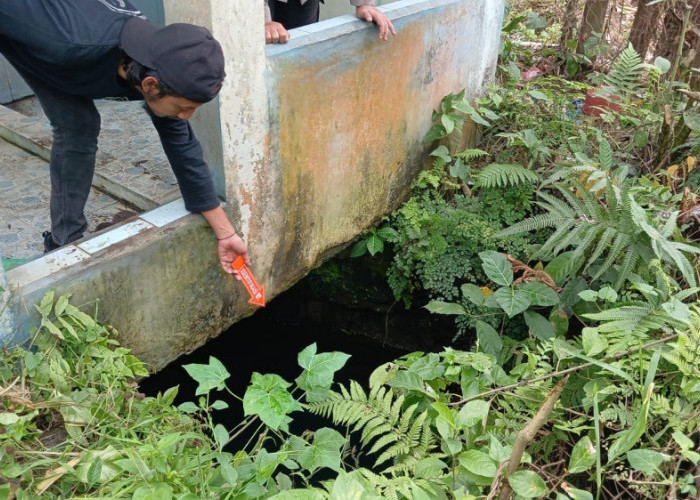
{"points": [[7, 319]]}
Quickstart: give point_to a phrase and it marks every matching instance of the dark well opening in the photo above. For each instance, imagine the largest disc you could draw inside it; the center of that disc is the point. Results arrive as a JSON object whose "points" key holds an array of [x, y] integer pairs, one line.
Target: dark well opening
{"points": [[340, 307]]}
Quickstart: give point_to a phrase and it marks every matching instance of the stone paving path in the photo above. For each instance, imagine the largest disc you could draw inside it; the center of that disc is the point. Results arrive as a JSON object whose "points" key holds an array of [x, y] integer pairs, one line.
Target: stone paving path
{"points": [[132, 174]]}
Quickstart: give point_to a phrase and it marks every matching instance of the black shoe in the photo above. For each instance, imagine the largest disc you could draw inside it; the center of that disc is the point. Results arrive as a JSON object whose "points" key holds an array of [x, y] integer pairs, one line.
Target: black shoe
{"points": [[49, 243]]}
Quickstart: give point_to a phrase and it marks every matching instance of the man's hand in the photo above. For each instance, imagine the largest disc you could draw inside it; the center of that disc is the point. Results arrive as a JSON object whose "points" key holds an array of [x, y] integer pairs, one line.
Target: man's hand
{"points": [[372, 15], [275, 33], [229, 249]]}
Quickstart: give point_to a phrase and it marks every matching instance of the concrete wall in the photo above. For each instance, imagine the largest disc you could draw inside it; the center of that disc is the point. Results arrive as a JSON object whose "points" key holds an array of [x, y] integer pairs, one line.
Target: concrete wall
{"points": [[312, 142]]}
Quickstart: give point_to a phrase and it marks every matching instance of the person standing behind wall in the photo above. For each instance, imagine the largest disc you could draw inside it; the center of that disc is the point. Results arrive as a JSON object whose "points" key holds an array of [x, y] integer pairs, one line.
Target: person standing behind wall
{"points": [[71, 52], [283, 15]]}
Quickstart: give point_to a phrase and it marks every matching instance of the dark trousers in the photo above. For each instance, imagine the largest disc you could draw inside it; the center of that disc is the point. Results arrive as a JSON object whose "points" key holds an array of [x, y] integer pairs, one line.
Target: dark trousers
{"points": [[293, 14], [76, 124]]}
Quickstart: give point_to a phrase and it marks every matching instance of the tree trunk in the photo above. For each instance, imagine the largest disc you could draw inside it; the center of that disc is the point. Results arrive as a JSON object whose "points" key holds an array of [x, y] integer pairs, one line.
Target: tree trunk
{"points": [[594, 14], [568, 25], [644, 27]]}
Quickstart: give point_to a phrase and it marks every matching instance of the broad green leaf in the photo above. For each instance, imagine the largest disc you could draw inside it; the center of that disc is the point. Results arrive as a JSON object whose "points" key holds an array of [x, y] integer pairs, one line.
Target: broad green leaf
{"points": [[498, 451], [188, 407], [512, 301], [528, 484], [430, 467], [539, 326], [441, 152], [352, 486], [641, 138], [108, 469], [436, 132], [7, 418], [692, 120], [159, 491], [472, 413], [53, 329], [428, 366], [211, 376], [538, 95], [407, 380], [220, 436], [560, 321], [562, 266], [387, 233], [445, 412], [447, 123], [441, 307], [593, 342], [646, 461], [489, 339], [662, 64], [496, 267], [61, 304], [588, 295], [323, 452], [94, 472], [359, 248], [46, 304], [683, 441], [577, 494], [267, 397], [607, 294], [539, 294], [473, 293], [229, 474], [382, 374], [478, 463], [375, 244], [219, 405], [319, 370], [583, 456]]}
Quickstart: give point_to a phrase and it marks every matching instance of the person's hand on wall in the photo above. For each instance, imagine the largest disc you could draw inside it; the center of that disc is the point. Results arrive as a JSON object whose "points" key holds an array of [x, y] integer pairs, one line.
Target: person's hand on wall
{"points": [[373, 15], [275, 33], [229, 249]]}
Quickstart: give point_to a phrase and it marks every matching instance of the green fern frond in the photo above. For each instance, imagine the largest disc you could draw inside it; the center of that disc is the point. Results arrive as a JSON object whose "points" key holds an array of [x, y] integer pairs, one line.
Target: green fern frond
{"points": [[380, 419], [470, 154], [624, 76], [537, 222], [505, 174], [439, 163], [556, 205], [627, 266], [602, 245], [399, 487]]}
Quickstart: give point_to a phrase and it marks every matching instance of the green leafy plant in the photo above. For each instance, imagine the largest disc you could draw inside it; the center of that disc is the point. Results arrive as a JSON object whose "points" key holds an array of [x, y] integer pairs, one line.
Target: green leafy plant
{"points": [[618, 232]]}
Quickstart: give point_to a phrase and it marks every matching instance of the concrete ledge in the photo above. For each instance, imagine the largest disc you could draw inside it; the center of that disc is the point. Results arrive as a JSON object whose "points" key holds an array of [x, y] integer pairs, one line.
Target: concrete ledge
{"points": [[152, 277]]}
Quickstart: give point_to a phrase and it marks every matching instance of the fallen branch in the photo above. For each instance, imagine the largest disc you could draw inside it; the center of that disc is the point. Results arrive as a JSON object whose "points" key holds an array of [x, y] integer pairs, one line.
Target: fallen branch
{"points": [[528, 433]]}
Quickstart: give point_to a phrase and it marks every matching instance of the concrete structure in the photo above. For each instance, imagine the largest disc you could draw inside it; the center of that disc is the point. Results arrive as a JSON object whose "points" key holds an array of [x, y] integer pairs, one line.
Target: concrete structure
{"points": [[310, 143]]}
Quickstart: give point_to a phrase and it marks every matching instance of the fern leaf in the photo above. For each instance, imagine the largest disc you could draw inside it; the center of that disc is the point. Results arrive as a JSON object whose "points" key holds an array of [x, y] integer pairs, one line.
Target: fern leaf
{"points": [[537, 222], [627, 266], [565, 229], [618, 246], [504, 174], [556, 206], [602, 245], [470, 154]]}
